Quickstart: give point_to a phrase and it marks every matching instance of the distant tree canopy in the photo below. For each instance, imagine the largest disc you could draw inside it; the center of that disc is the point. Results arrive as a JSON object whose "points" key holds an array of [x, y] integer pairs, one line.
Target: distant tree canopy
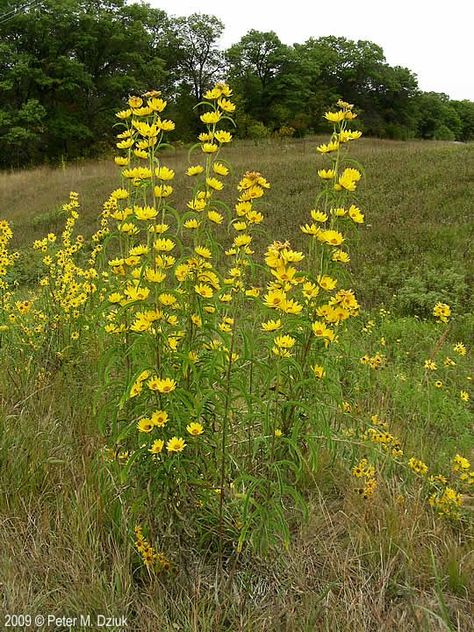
{"points": [[66, 66]]}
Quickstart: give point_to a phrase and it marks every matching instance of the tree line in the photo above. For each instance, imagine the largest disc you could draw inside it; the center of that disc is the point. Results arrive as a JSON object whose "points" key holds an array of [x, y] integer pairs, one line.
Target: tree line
{"points": [[65, 66]]}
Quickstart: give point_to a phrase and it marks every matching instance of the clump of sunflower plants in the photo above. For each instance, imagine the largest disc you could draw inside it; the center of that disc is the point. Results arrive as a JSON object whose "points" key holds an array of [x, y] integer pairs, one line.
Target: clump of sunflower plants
{"points": [[222, 375]]}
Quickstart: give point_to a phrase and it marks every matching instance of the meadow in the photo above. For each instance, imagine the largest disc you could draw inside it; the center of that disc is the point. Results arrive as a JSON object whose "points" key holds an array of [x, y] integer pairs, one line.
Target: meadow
{"points": [[394, 554]]}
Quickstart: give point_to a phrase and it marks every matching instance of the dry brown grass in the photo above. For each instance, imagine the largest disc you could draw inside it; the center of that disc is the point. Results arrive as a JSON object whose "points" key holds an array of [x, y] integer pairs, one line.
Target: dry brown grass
{"points": [[65, 548]]}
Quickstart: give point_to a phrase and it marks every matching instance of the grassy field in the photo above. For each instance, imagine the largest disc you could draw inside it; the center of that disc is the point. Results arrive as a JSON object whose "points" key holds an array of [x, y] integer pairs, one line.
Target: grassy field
{"points": [[418, 198], [353, 565]]}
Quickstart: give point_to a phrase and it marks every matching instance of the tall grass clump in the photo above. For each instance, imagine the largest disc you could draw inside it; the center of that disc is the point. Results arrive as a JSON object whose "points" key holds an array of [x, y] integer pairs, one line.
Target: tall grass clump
{"points": [[225, 375]]}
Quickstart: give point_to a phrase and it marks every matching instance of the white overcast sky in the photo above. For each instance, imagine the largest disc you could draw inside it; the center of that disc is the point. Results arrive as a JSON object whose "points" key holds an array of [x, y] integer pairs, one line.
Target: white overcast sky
{"points": [[433, 38]]}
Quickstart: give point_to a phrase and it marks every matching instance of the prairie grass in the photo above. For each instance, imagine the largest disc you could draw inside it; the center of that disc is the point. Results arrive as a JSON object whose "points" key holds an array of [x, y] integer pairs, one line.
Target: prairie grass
{"points": [[418, 237]]}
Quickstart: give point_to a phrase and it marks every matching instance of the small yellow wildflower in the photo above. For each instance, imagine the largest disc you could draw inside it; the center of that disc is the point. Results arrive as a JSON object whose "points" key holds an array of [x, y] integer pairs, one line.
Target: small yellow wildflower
{"points": [[195, 429], [271, 325], [442, 312], [194, 170], [460, 349], [318, 371], [157, 446], [417, 466], [145, 425], [164, 386], [175, 444], [159, 418]]}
